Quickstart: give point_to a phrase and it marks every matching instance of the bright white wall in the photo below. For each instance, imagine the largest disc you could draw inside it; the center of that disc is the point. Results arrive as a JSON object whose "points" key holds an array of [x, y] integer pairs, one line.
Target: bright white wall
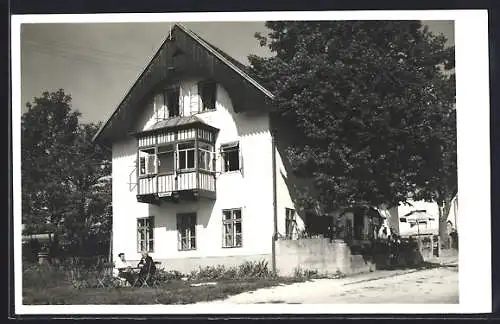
{"points": [[251, 189], [283, 197]]}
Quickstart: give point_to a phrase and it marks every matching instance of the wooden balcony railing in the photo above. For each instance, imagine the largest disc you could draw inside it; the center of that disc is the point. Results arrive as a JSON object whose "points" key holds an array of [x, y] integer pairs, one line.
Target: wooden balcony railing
{"points": [[164, 184]]}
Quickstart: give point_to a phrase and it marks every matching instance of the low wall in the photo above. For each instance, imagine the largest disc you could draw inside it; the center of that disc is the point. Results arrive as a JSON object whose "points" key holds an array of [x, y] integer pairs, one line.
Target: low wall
{"points": [[318, 254]]}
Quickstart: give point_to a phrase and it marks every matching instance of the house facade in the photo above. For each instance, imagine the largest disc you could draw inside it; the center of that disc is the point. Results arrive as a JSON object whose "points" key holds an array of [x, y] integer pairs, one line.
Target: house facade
{"points": [[196, 176]]}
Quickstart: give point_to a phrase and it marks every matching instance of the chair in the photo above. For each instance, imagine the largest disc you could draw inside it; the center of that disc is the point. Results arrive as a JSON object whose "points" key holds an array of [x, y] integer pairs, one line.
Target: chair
{"points": [[148, 280], [106, 277]]}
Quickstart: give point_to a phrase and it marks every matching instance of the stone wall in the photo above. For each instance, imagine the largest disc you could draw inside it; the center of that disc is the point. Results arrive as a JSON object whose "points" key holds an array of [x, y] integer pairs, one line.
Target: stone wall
{"points": [[318, 254]]}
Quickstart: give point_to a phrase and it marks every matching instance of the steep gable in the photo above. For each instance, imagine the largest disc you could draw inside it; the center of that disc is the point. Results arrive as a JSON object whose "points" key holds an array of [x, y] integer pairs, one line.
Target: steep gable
{"points": [[184, 54]]}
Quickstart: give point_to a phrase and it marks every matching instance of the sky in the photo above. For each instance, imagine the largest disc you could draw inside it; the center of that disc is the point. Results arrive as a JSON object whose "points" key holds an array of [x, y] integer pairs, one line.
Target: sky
{"points": [[97, 63]]}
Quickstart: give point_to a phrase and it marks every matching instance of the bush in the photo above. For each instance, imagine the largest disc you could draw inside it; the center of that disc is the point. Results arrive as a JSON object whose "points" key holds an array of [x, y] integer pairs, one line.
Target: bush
{"points": [[163, 275], [74, 271], [246, 270], [42, 276]]}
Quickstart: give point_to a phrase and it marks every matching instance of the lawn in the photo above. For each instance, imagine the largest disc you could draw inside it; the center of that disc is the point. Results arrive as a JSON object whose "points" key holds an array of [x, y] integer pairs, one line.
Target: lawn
{"points": [[63, 285], [174, 292]]}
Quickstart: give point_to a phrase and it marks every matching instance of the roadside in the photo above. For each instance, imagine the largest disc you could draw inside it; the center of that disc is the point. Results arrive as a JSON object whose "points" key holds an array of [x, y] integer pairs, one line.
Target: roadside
{"points": [[436, 283]]}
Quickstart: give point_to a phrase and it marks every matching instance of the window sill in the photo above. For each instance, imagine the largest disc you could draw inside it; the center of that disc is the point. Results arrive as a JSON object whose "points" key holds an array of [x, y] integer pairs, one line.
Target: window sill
{"points": [[186, 250], [231, 172], [232, 247]]}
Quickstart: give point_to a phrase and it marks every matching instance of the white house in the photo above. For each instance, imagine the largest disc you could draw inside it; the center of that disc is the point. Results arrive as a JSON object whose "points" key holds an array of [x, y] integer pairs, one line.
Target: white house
{"points": [[420, 217], [196, 175]]}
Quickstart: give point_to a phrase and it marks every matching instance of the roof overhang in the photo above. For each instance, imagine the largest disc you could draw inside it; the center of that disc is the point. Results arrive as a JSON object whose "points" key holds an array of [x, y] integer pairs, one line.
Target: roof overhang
{"points": [[198, 59]]}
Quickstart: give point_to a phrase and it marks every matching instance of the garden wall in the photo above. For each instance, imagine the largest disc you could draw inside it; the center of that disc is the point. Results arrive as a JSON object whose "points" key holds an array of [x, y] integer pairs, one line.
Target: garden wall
{"points": [[318, 254]]}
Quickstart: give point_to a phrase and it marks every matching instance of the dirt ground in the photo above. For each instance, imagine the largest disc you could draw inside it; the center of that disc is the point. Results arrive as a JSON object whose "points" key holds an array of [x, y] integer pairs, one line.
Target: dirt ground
{"points": [[432, 286]]}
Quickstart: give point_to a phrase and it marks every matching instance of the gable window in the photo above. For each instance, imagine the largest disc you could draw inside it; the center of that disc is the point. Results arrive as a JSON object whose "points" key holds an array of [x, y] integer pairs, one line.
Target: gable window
{"points": [[206, 159], [186, 230], [166, 160], [147, 162], [172, 99], [231, 156], [185, 153], [231, 222], [145, 236], [290, 222], [208, 92]]}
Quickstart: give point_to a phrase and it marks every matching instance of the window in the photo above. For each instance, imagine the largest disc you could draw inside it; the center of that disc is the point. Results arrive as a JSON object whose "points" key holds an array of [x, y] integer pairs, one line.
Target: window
{"points": [[185, 156], [290, 222], [172, 97], [231, 222], [206, 157], [147, 162], [166, 159], [145, 239], [208, 92], [231, 156], [186, 229]]}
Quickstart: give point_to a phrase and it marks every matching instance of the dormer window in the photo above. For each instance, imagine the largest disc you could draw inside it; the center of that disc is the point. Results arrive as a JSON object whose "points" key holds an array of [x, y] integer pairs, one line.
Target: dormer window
{"points": [[208, 90]]}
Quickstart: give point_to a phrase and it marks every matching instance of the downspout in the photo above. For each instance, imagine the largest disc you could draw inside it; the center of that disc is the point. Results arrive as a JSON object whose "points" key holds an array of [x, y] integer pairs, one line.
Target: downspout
{"points": [[275, 205]]}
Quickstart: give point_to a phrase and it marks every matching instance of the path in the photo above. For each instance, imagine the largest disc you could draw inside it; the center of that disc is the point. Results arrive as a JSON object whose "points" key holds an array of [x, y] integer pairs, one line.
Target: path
{"points": [[437, 285]]}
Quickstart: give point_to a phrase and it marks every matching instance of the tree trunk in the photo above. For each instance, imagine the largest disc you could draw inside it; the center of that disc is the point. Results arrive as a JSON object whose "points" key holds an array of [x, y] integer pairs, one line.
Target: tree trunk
{"points": [[444, 236]]}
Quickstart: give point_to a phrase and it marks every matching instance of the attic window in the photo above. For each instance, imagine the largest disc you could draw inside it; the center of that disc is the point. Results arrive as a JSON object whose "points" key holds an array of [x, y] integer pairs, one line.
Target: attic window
{"points": [[208, 92], [172, 98]]}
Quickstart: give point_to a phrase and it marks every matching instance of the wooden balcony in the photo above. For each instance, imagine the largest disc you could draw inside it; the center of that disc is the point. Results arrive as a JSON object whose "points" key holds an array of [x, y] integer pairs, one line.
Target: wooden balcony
{"points": [[186, 185]]}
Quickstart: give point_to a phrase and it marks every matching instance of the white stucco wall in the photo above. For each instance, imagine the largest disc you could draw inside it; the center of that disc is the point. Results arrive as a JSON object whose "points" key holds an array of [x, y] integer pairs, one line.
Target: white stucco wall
{"points": [[283, 198], [250, 189]]}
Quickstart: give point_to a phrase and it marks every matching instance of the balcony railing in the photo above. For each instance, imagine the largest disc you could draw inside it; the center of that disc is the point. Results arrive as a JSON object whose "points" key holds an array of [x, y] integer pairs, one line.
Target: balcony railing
{"points": [[167, 184]]}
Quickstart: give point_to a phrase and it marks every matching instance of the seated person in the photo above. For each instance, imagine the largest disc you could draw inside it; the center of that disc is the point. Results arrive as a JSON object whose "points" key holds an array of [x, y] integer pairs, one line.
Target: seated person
{"points": [[147, 266], [123, 269]]}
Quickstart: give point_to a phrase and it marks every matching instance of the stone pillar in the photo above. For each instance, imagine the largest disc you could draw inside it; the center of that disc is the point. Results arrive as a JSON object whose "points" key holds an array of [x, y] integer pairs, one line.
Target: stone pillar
{"points": [[343, 256], [43, 257]]}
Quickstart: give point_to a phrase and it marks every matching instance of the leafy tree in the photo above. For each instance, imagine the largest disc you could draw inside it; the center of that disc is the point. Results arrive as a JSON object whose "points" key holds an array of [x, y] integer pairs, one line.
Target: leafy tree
{"points": [[60, 170], [371, 107]]}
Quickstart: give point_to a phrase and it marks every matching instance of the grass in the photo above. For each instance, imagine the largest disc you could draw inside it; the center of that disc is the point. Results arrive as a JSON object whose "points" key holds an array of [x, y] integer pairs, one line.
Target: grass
{"points": [[174, 292], [77, 285]]}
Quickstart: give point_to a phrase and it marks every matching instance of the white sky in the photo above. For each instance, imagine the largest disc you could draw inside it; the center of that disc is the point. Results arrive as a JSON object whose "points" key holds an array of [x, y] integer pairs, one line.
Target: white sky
{"points": [[97, 63]]}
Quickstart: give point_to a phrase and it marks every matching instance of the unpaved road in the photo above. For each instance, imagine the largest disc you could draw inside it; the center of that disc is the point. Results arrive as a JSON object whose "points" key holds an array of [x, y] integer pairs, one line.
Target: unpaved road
{"points": [[432, 286]]}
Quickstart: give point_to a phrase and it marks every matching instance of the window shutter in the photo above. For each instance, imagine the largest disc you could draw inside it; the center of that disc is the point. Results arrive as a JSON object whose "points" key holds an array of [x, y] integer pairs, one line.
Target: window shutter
{"points": [[194, 99], [241, 160], [181, 101], [179, 234]]}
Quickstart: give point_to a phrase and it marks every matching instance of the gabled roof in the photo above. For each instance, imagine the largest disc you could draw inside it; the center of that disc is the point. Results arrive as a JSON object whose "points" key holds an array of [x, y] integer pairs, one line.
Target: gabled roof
{"points": [[155, 72]]}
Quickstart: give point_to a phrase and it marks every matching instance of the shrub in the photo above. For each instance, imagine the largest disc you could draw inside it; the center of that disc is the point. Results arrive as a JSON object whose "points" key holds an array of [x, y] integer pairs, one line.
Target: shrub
{"points": [[163, 275], [42, 276], [246, 270]]}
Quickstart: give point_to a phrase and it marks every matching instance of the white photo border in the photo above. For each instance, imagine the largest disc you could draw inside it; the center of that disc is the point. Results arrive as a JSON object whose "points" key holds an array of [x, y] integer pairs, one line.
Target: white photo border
{"points": [[473, 127]]}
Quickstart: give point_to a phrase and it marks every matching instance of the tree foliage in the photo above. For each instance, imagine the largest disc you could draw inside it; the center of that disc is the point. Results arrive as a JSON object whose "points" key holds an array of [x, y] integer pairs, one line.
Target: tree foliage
{"points": [[371, 105], [61, 171]]}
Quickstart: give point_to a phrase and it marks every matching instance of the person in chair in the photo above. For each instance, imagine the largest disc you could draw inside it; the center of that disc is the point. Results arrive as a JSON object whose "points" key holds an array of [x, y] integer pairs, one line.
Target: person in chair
{"points": [[123, 269], [147, 266]]}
